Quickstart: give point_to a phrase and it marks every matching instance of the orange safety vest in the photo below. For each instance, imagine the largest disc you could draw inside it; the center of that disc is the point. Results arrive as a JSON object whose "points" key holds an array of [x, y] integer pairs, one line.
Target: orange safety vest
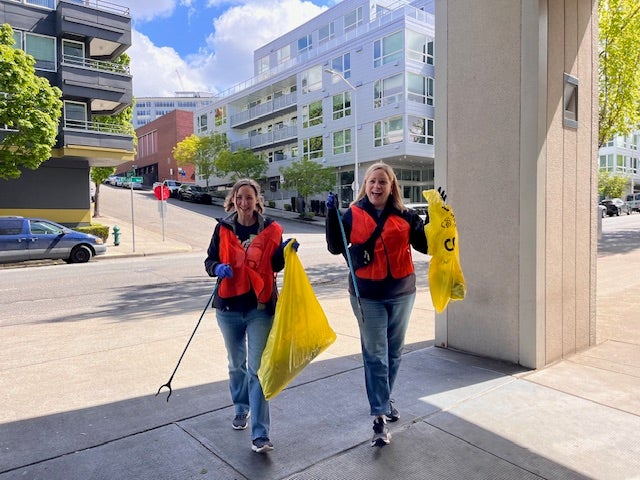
{"points": [[392, 249], [251, 267]]}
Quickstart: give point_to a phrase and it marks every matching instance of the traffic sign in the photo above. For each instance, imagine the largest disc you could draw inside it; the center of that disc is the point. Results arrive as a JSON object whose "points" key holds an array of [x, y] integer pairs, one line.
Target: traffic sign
{"points": [[136, 179], [161, 192]]}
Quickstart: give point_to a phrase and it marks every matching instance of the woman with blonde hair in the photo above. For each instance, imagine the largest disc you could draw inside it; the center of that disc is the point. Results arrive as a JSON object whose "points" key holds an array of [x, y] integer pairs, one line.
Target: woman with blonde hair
{"points": [[380, 231]]}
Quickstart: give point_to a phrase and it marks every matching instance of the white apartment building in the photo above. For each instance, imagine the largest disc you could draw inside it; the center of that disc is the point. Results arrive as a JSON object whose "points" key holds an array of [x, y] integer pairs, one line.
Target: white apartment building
{"points": [[620, 156], [147, 109], [355, 82]]}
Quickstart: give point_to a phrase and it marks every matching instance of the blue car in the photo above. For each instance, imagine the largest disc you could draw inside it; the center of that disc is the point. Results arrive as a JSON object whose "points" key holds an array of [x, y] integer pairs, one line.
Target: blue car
{"points": [[35, 239]]}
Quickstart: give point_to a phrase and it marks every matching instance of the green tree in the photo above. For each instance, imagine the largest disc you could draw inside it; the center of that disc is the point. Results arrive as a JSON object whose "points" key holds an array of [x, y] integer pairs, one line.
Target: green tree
{"points": [[241, 164], [99, 175], [308, 178], [30, 109], [612, 186], [619, 64], [201, 152]]}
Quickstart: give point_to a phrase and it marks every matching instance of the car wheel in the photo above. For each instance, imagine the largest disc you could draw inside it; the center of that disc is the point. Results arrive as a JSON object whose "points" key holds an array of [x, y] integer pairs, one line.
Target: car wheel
{"points": [[80, 254]]}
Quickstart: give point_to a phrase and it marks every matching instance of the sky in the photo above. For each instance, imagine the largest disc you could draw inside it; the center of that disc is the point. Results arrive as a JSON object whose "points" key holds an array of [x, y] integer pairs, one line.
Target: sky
{"points": [[206, 45]]}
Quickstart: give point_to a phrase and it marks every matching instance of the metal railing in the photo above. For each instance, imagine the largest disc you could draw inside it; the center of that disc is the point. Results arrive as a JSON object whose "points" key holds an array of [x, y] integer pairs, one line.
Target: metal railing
{"points": [[93, 64], [97, 4], [275, 136], [97, 127], [264, 109]]}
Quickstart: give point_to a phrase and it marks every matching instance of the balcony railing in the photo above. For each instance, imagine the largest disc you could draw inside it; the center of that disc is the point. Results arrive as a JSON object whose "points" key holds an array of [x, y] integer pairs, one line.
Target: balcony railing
{"points": [[96, 127], [264, 109], [275, 136], [96, 64], [97, 4]]}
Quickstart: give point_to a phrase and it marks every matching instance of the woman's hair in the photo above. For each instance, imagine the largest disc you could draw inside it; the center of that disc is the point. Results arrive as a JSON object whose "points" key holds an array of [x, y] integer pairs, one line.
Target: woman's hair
{"points": [[230, 201], [395, 196]]}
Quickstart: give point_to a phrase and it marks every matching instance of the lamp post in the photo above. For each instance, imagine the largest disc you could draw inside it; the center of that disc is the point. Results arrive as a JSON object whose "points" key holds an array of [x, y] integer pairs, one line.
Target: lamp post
{"points": [[356, 181]]}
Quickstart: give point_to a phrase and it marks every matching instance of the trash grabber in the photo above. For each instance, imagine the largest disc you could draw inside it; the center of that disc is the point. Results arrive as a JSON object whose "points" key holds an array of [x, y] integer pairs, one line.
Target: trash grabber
{"points": [[168, 384], [350, 263]]}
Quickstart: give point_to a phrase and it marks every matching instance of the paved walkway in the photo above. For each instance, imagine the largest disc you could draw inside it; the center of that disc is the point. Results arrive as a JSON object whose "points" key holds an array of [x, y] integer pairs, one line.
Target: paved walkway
{"points": [[462, 417]]}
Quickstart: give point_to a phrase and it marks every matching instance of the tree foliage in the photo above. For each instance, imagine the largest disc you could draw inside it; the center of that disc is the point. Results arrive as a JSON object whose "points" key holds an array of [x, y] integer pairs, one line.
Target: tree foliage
{"points": [[201, 152], [308, 178], [612, 186], [619, 64], [30, 109], [241, 164]]}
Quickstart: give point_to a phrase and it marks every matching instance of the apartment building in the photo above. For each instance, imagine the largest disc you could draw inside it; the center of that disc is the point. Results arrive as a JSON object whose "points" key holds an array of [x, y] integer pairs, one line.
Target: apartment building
{"points": [[621, 156], [147, 109], [75, 45], [353, 84]]}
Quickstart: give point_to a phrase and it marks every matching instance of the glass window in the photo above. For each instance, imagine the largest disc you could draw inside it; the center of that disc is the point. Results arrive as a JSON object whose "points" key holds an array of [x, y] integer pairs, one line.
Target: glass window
{"points": [[75, 114], [341, 142], [17, 36], [388, 131], [304, 44], [353, 19], [341, 64], [388, 91], [312, 114], [312, 79], [73, 52], [419, 47], [420, 89], [312, 148], [202, 123], [263, 64], [283, 54], [342, 105], [388, 50], [420, 130], [326, 32], [43, 49]]}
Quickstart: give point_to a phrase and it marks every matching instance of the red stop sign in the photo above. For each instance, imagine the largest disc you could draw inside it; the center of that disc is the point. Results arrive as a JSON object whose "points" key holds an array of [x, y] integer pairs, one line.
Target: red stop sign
{"points": [[161, 192]]}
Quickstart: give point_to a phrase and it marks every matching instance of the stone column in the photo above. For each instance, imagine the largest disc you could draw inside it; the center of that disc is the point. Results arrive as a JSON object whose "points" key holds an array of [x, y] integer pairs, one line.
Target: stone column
{"points": [[516, 147]]}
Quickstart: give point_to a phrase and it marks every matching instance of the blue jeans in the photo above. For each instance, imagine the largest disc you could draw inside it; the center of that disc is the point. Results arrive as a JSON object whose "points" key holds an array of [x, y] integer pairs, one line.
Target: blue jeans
{"points": [[240, 330], [382, 335]]}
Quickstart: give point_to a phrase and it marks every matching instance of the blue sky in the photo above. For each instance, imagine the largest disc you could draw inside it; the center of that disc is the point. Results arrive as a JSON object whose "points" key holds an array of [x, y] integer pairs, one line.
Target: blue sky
{"points": [[206, 45]]}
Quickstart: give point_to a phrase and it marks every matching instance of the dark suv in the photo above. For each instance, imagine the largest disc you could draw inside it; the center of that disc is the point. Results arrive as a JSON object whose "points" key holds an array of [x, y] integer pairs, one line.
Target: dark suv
{"points": [[194, 193]]}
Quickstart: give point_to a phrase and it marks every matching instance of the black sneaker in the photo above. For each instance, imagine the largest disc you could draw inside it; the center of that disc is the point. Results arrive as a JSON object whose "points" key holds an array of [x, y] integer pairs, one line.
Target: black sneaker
{"points": [[262, 445], [381, 435], [240, 421], [394, 415]]}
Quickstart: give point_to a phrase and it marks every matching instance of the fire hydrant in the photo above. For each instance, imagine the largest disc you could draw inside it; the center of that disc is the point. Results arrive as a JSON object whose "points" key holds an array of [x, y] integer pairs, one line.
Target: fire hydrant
{"points": [[116, 235]]}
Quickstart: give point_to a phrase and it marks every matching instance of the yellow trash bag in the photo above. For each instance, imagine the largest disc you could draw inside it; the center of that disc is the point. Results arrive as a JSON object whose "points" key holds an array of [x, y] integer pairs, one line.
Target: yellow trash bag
{"points": [[300, 330], [446, 281]]}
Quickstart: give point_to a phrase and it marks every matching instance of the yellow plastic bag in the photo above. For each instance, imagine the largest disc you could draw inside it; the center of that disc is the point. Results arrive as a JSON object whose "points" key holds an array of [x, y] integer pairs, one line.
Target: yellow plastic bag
{"points": [[446, 281], [300, 330]]}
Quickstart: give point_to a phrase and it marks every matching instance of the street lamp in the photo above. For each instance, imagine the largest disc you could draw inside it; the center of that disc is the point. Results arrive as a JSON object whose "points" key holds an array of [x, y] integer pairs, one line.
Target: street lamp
{"points": [[356, 181]]}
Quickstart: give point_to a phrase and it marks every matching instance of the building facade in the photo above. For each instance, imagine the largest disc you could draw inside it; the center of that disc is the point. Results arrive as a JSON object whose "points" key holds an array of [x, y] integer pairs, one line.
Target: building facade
{"points": [[75, 45], [354, 83], [154, 160], [620, 156], [147, 109]]}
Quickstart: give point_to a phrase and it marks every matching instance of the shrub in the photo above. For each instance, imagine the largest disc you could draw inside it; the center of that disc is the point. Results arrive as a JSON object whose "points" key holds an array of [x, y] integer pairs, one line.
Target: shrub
{"points": [[287, 207], [271, 204], [96, 229]]}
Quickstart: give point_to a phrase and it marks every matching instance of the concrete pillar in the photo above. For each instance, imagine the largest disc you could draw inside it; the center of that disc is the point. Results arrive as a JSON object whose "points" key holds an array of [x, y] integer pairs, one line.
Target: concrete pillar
{"points": [[520, 173]]}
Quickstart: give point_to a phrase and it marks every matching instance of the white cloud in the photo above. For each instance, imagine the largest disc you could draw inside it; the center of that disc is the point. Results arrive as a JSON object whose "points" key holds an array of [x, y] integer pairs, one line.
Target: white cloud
{"points": [[228, 56], [145, 10]]}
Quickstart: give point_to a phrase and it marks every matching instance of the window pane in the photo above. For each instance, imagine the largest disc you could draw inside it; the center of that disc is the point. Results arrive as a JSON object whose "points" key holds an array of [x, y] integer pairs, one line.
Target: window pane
{"points": [[43, 49]]}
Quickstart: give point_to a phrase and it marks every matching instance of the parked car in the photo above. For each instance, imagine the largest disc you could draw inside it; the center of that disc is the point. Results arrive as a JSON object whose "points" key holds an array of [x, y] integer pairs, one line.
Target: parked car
{"points": [[36, 238], [633, 200], [615, 207], [419, 208], [172, 185], [191, 192]]}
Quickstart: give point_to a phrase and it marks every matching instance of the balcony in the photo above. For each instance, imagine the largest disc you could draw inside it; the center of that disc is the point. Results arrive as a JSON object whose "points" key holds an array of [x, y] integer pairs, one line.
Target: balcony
{"points": [[275, 138], [254, 115], [78, 133], [105, 24]]}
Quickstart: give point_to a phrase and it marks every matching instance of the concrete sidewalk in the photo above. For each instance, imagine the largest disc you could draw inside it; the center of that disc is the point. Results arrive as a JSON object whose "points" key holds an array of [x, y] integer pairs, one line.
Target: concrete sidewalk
{"points": [[462, 417]]}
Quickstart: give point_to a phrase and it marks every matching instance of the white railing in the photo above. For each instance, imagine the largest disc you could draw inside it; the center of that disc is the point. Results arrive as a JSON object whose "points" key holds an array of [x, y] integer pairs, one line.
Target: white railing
{"points": [[97, 4], [96, 64], [97, 127], [264, 109]]}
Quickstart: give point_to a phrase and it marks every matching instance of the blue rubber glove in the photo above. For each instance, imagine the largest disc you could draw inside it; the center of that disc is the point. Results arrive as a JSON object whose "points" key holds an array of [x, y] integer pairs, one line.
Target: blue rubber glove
{"points": [[223, 270], [332, 201], [294, 245], [442, 194]]}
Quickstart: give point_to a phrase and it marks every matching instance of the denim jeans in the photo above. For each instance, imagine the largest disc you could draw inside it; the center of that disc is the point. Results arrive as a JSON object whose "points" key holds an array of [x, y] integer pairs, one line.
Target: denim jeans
{"points": [[240, 330], [382, 335]]}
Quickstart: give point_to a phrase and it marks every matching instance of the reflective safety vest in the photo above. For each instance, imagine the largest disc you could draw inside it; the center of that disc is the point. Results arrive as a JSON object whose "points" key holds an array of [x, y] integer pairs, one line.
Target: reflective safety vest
{"points": [[392, 249], [251, 266]]}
